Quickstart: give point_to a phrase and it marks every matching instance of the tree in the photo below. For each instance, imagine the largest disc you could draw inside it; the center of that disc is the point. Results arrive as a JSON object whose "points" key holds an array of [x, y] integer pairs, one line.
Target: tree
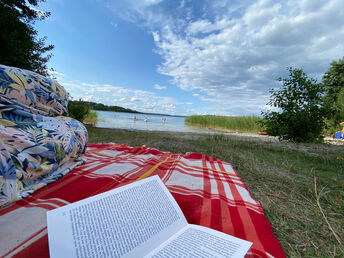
{"points": [[333, 80], [301, 106], [19, 44]]}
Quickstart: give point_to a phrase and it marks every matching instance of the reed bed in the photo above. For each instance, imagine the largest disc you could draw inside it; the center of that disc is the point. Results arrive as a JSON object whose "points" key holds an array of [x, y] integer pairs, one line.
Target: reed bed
{"points": [[91, 118], [235, 123]]}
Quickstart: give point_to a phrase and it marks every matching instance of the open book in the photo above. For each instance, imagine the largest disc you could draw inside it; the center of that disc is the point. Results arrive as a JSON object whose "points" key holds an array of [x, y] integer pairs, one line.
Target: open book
{"points": [[141, 219]]}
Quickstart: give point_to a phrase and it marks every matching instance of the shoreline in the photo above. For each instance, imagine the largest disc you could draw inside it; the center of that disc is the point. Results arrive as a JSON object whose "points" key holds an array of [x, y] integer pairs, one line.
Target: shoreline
{"points": [[212, 131], [229, 135]]}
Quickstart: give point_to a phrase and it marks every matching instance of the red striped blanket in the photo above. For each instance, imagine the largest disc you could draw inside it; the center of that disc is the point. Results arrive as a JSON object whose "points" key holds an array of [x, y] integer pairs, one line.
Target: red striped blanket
{"points": [[208, 190]]}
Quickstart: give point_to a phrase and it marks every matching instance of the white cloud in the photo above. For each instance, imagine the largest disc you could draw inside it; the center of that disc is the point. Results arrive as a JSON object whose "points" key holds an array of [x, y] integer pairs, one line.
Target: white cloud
{"points": [[113, 24], [40, 14], [141, 12], [235, 61], [158, 87], [233, 51], [55, 74], [134, 99], [150, 2], [87, 98], [156, 36], [108, 94], [205, 26]]}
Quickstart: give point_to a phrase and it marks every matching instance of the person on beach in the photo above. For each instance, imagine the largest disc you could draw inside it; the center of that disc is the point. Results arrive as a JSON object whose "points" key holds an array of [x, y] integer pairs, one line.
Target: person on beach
{"points": [[146, 119], [340, 134], [164, 120], [135, 118]]}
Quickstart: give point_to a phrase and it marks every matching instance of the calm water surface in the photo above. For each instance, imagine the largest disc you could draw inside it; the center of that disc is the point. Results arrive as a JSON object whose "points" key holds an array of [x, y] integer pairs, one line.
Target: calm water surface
{"points": [[121, 120]]}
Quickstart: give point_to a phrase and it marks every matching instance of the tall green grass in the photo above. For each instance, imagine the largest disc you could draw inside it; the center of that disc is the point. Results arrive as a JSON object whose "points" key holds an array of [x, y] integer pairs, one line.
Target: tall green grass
{"points": [[236, 123], [91, 118]]}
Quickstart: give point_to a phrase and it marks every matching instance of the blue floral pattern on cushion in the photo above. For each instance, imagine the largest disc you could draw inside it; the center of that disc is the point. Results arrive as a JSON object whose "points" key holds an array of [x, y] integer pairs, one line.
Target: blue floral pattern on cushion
{"points": [[38, 143]]}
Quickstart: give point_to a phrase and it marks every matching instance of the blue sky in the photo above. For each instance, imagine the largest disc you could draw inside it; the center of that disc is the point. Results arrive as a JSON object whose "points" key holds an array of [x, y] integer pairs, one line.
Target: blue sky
{"points": [[188, 57]]}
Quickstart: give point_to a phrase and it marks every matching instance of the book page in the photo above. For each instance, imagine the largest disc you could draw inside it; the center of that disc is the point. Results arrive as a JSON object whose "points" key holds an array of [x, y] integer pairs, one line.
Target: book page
{"points": [[198, 241], [128, 221]]}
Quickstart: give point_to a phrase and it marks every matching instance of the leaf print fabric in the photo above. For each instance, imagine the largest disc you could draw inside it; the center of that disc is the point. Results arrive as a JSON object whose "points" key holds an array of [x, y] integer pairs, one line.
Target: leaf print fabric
{"points": [[38, 143], [37, 93]]}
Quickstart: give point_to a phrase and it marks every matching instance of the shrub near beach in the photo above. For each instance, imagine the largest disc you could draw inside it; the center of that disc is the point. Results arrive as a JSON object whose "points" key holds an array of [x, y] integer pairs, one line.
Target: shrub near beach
{"points": [[301, 108], [82, 112]]}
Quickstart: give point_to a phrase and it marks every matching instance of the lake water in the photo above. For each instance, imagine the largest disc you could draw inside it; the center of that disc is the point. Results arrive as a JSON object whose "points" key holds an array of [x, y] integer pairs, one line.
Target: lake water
{"points": [[121, 120]]}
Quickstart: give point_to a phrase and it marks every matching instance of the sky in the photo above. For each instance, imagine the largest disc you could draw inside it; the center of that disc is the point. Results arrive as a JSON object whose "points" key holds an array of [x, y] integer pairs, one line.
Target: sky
{"points": [[188, 57]]}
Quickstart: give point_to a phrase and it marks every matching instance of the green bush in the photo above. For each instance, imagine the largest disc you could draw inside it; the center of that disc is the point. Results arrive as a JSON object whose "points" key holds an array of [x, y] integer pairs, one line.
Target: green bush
{"points": [[78, 110], [301, 108], [333, 80]]}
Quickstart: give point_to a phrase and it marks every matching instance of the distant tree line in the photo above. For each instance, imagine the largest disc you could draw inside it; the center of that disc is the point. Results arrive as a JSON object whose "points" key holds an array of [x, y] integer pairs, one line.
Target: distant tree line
{"points": [[100, 106]]}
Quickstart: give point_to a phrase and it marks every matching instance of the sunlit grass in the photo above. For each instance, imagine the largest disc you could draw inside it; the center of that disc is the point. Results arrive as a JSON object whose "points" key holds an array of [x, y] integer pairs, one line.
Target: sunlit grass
{"points": [[91, 118], [235, 123]]}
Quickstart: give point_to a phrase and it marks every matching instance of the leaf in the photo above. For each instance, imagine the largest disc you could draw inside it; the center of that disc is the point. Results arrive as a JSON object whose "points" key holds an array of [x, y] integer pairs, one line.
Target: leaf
{"points": [[60, 153], [36, 150], [23, 80], [45, 168], [53, 85], [18, 118], [29, 94], [4, 110], [61, 90], [42, 82], [44, 132], [14, 77], [35, 135], [5, 122], [17, 86]]}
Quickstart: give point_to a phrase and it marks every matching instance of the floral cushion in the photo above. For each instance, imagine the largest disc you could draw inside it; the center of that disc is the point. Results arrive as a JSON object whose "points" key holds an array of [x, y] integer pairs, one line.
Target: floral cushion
{"points": [[37, 143], [39, 94]]}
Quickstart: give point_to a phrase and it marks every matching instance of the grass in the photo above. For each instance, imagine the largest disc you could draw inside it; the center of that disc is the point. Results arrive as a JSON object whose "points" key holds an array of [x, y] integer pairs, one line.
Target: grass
{"points": [[279, 175], [91, 118], [235, 123]]}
